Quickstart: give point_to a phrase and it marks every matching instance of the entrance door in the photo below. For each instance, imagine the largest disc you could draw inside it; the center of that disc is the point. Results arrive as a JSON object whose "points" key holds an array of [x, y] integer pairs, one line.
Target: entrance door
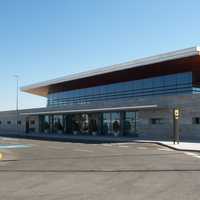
{"points": [[111, 123], [130, 123]]}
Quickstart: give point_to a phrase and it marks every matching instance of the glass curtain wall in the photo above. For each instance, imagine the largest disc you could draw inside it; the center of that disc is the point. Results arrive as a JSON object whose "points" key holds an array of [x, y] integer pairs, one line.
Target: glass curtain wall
{"points": [[161, 85]]}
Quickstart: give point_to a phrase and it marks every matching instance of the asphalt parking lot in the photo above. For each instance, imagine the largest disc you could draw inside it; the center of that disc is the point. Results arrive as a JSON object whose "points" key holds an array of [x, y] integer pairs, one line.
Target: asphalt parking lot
{"points": [[62, 170]]}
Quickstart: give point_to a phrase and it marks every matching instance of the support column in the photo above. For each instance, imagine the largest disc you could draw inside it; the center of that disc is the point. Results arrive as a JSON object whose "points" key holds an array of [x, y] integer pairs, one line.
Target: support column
{"points": [[122, 115]]}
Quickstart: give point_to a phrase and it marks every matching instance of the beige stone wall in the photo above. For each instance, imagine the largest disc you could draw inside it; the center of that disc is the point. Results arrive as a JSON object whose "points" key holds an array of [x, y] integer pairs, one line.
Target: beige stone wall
{"points": [[13, 118], [189, 105]]}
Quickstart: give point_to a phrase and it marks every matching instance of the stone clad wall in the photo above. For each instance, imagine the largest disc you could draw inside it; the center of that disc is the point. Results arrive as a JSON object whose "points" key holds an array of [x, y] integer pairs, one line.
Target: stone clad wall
{"points": [[189, 105], [13, 118]]}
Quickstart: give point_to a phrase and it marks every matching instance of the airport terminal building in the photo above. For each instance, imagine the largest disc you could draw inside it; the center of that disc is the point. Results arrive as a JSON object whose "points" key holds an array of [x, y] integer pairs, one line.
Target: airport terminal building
{"points": [[130, 99]]}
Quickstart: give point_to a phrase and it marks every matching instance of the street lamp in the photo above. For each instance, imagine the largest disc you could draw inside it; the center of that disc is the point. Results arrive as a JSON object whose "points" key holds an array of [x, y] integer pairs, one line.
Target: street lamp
{"points": [[17, 95]]}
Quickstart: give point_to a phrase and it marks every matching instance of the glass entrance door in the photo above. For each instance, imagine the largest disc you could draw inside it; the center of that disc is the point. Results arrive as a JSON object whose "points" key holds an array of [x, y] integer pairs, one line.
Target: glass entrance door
{"points": [[111, 123], [130, 123], [84, 123]]}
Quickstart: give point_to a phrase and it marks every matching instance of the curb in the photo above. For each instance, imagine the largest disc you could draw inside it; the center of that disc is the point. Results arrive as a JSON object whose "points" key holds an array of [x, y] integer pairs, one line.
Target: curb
{"points": [[92, 140], [168, 146], [68, 139]]}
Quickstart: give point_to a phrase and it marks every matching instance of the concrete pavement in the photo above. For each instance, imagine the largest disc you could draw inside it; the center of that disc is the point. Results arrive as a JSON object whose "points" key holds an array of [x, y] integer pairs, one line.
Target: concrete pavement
{"points": [[63, 170]]}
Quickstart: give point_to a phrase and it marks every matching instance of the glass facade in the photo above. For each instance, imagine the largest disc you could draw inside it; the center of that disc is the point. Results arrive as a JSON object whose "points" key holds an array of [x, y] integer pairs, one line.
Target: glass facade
{"points": [[107, 124], [161, 85]]}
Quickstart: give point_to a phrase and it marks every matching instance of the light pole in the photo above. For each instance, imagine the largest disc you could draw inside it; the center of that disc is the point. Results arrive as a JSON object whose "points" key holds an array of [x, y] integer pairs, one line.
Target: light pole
{"points": [[17, 95]]}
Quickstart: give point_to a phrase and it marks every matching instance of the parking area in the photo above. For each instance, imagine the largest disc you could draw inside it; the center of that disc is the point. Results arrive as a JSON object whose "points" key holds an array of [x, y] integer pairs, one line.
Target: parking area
{"points": [[34, 169]]}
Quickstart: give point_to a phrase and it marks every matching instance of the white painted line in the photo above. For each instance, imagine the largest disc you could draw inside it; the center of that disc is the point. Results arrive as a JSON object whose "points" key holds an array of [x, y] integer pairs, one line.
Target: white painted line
{"points": [[160, 149], [141, 148], [9, 139], [124, 143], [124, 146], [83, 150], [107, 145]]}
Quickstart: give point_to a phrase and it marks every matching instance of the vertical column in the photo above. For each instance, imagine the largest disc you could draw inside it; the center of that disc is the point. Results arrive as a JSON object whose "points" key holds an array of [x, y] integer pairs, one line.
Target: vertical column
{"points": [[51, 123], [122, 116], [136, 118]]}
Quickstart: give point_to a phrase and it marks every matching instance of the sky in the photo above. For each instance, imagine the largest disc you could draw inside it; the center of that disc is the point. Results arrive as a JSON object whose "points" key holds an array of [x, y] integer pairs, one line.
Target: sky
{"points": [[46, 39]]}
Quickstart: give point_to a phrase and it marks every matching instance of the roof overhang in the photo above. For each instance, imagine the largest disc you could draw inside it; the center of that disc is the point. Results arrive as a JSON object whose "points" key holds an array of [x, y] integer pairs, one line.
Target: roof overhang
{"points": [[108, 109], [43, 88]]}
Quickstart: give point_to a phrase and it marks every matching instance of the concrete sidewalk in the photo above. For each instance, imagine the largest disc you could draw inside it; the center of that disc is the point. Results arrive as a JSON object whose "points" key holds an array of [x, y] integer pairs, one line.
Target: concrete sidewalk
{"points": [[182, 146]]}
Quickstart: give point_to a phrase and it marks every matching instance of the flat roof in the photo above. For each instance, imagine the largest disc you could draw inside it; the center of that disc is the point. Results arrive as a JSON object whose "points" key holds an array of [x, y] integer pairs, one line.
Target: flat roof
{"points": [[41, 88]]}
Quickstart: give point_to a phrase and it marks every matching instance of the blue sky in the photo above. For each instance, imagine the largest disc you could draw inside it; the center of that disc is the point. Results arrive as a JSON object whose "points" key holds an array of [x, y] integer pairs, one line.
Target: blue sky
{"points": [[44, 39]]}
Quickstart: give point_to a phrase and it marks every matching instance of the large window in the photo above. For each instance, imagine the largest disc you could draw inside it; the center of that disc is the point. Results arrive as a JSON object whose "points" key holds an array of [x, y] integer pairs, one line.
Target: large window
{"points": [[168, 84], [157, 121]]}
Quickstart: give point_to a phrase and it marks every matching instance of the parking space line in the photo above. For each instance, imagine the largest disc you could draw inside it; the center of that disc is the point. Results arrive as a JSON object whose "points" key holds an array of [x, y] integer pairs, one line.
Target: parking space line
{"points": [[107, 145], [124, 146], [83, 150], [142, 148], [161, 149], [124, 143]]}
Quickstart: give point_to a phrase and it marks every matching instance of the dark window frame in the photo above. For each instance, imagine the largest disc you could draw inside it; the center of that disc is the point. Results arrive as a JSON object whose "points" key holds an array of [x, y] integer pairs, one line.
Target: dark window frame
{"points": [[157, 121], [196, 120]]}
